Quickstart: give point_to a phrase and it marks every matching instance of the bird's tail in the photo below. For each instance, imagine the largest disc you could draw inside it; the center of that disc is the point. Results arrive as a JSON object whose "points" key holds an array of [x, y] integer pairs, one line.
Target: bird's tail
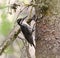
{"points": [[33, 45]]}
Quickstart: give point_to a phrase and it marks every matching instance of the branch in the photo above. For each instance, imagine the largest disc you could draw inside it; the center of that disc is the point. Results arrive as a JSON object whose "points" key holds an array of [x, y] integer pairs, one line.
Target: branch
{"points": [[11, 37]]}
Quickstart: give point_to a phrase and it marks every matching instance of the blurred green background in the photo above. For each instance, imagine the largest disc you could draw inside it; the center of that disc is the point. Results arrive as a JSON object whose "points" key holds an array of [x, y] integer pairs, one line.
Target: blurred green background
{"points": [[6, 25]]}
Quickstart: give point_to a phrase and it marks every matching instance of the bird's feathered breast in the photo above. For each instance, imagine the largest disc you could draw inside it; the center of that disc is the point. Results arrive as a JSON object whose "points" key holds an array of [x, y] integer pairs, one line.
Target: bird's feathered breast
{"points": [[25, 29]]}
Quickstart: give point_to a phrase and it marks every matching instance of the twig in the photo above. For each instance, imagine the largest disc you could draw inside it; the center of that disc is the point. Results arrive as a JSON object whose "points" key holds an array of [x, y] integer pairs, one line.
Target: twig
{"points": [[11, 37]]}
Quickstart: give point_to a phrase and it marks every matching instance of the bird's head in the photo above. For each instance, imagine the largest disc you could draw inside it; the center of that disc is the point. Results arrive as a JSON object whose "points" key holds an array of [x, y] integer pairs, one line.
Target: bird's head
{"points": [[20, 20]]}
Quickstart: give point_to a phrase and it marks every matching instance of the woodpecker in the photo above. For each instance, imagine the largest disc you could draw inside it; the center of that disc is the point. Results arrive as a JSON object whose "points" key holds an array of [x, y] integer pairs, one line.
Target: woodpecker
{"points": [[26, 30]]}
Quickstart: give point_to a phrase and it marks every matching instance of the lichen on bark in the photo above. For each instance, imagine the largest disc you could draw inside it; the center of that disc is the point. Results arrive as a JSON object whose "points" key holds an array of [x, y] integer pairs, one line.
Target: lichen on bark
{"points": [[47, 30]]}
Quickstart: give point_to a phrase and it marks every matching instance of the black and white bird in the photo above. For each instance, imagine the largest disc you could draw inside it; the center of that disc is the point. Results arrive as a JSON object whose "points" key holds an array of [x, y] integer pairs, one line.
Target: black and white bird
{"points": [[26, 30]]}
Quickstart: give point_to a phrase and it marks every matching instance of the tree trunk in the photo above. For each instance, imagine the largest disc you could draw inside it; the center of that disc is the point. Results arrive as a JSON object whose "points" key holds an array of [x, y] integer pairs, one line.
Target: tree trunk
{"points": [[48, 29]]}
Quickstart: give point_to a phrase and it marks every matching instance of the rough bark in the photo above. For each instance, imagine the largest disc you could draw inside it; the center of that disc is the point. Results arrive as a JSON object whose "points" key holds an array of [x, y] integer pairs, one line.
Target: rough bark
{"points": [[48, 30]]}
